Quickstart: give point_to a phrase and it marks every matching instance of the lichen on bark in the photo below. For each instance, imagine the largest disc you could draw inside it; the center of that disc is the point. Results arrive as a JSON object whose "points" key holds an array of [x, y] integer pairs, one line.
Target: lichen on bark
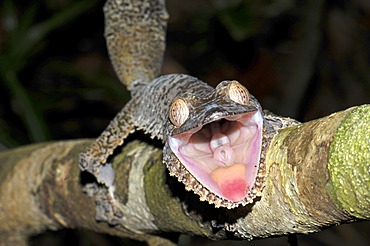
{"points": [[299, 196], [303, 192], [349, 162]]}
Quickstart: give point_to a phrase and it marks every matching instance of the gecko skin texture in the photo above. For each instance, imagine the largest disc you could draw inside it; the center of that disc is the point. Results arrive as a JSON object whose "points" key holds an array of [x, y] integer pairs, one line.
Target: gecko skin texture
{"points": [[215, 139], [217, 151]]}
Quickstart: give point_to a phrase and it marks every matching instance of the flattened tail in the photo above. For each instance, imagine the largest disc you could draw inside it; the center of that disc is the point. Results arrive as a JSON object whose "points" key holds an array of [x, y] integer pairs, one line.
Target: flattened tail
{"points": [[135, 33]]}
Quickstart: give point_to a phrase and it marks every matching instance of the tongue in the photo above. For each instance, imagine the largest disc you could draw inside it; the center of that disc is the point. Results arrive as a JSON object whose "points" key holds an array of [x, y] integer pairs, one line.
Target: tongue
{"points": [[231, 181]]}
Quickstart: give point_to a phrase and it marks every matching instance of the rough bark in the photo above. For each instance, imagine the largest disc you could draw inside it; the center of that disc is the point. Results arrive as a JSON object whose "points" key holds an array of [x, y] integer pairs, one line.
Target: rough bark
{"points": [[318, 176]]}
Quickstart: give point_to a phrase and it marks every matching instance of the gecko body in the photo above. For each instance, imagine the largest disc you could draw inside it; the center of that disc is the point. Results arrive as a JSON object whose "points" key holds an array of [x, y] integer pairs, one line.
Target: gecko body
{"points": [[214, 138]]}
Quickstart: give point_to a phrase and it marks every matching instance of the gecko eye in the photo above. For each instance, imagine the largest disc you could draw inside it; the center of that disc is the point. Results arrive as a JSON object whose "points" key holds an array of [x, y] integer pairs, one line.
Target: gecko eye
{"points": [[238, 93], [178, 112]]}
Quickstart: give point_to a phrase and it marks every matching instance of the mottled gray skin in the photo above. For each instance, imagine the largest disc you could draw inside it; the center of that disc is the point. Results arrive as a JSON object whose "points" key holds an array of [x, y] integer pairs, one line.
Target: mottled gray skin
{"points": [[135, 34], [148, 111]]}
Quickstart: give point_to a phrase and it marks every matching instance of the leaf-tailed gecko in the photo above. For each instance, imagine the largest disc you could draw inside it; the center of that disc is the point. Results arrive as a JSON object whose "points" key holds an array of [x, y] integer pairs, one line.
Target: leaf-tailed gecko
{"points": [[215, 139]]}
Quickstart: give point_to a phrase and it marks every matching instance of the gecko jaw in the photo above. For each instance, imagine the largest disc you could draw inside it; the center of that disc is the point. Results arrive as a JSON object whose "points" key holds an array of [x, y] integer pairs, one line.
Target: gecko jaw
{"points": [[223, 155]]}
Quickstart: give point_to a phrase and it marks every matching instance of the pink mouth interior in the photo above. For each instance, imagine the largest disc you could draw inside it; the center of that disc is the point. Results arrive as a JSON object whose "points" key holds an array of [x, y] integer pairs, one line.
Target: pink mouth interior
{"points": [[223, 155]]}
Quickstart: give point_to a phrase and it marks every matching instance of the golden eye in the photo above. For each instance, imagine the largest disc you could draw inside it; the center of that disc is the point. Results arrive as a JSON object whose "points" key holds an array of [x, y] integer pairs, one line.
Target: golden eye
{"points": [[178, 112], [238, 93]]}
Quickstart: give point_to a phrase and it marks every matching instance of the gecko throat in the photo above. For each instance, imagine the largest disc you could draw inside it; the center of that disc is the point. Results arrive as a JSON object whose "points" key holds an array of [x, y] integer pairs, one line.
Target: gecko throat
{"points": [[223, 154]]}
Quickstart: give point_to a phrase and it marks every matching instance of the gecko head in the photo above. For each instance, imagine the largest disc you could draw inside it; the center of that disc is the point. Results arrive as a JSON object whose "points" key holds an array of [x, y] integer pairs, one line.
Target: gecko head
{"points": [[217, 139]]}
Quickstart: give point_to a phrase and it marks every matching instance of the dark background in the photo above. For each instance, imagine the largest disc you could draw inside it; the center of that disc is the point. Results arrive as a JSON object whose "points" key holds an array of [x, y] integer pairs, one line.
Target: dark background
{"points": [[303, 59]]}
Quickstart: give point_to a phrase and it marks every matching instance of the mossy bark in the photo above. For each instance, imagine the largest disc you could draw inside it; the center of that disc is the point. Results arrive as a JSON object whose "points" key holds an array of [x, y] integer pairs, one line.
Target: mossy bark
{"points": [[318, 175], [41, 188], [349, 164]]}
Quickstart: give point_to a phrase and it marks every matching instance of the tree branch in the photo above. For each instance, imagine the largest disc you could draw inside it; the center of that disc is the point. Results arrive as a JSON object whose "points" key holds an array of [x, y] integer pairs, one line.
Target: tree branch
{"points": [[318, 176]]}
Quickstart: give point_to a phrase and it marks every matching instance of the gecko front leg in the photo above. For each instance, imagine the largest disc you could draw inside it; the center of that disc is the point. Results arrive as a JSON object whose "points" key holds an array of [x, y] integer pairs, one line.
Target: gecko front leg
{"points": [[93, 158]]}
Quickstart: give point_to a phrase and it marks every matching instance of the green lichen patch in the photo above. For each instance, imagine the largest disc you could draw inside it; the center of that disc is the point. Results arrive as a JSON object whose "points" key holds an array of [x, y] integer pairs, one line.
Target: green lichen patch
{"points": [[349, 163]]}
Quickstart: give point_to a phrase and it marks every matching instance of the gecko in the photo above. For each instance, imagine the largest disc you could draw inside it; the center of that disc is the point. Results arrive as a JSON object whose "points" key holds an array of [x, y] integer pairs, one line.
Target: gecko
{"points": [[215, 139]]}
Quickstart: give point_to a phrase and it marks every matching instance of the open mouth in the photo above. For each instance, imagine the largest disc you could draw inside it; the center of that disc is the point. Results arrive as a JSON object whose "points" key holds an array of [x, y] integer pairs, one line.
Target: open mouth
{"points": [[224, 154]]}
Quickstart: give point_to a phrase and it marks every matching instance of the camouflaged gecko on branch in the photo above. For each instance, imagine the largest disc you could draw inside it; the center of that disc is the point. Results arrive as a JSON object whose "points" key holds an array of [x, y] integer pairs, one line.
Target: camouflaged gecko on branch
{"points": [[214, 138]]}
